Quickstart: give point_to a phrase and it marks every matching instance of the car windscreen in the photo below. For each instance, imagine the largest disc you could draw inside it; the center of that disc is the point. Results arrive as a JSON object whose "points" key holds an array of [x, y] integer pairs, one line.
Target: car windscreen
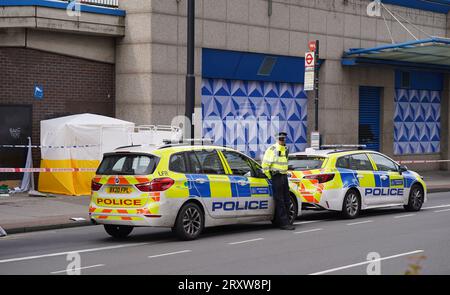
{"points": [[301, 163], [127, 164]]}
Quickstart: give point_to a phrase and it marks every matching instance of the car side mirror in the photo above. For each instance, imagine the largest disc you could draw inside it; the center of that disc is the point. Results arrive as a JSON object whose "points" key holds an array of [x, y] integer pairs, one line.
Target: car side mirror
{"points": [[402, 169]]}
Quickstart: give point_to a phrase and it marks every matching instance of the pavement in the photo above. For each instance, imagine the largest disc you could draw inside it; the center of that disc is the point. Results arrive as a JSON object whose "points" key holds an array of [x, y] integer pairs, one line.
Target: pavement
{"points": [[23, 213], [383, 241]]}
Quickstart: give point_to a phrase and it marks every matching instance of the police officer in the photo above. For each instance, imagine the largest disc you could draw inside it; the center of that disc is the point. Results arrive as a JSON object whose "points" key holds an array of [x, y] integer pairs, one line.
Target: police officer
{"points": [[275, 166]]}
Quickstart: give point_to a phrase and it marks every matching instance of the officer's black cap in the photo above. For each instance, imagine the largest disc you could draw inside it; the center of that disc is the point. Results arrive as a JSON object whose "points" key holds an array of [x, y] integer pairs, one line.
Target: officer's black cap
{"points": [[282, 135]]}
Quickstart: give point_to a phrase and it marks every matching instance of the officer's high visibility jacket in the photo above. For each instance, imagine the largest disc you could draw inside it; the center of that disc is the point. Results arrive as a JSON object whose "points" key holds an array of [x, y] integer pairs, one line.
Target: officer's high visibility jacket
{"points": [[275, 160]]}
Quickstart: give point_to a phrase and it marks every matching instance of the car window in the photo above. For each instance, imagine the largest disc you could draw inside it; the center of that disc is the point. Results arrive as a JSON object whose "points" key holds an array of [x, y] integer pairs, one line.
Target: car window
{"points": [[360, 162], [177, 163], [383, 163], [343, 162], [300, 163], [210, 162], [239, 164], [128, 164], [194, 164]]}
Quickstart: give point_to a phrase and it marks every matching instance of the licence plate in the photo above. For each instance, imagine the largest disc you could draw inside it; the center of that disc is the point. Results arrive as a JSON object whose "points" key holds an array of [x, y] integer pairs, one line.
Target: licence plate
{"points": [[119, 190]]}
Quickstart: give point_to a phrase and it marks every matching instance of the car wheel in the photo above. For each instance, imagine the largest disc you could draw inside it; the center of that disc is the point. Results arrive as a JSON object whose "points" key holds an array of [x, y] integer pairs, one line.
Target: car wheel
{"points": [[190, 222], [416, 199], [118, 231], [292, 210], [352, 205]]}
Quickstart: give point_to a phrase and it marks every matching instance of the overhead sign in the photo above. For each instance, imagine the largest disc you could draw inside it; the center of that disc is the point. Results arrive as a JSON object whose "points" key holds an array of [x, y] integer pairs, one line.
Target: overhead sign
{"points": [[312, 45], [310, 60]]}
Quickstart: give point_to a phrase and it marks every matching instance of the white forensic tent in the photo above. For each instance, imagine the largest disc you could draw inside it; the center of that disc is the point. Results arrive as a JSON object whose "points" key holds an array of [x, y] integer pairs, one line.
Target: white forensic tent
{"points": [[102, 134]]}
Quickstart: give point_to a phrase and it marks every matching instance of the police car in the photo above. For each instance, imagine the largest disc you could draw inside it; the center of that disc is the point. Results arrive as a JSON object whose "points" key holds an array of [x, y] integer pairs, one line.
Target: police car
{"points": [[183, 187], [353, 180]]}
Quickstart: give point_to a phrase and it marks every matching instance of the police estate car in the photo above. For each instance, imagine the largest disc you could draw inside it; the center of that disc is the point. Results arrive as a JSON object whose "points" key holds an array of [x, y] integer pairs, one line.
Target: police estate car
{"points": [[351, 181], [181, 187]]}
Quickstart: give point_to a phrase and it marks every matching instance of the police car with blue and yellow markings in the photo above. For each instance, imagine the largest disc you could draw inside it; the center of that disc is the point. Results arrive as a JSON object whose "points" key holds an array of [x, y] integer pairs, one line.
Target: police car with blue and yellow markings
{"points": [[181, 187], [353, 180]]}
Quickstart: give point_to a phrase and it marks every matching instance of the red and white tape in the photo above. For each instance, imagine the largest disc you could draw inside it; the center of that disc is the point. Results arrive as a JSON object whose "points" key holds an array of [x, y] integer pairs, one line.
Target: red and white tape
{"points": [[422, 161], [33, 170], [50, 146]]}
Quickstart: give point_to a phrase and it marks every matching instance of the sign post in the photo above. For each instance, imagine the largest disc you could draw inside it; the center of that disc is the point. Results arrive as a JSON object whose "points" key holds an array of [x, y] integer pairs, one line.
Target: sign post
{"points": [[312, 84]]}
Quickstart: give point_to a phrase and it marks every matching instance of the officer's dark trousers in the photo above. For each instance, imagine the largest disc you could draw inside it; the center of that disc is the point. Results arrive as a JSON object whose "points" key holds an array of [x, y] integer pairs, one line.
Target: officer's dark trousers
{"points": [[280, 188]]}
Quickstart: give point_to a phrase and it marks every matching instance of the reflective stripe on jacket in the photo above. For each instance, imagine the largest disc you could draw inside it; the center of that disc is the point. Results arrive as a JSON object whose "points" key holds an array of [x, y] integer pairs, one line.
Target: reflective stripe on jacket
{"points": [[275, 160]]}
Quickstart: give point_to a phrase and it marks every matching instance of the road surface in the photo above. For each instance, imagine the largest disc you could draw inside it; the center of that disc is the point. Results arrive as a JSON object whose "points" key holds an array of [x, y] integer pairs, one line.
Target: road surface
{"points": [[322, 243]]}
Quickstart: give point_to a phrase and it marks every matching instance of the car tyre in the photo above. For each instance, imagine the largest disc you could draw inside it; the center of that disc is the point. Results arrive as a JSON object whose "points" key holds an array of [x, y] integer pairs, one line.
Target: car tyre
{"points": [[351, 206], [118, 231], [416, 199], [190, 222], [292, 212]]}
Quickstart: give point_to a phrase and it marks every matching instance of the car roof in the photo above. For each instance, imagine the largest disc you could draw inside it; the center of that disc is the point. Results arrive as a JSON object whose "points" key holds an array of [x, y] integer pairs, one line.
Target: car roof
{"points": [[330, 152], [168, 149]]}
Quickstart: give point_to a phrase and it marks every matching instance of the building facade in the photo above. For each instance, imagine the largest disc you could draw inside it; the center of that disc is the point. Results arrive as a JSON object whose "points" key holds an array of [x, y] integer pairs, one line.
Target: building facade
{"points": [[249, 70]]}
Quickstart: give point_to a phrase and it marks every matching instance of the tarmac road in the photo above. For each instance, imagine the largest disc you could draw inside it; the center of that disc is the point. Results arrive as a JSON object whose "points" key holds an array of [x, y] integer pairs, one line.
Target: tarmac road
{"points": [[322, 244]]}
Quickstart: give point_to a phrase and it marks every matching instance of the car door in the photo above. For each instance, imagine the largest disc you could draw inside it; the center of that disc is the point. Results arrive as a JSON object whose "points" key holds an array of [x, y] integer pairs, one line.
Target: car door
{"points": [[361, 164], [390, 182], [208, 179], [249, 188]]}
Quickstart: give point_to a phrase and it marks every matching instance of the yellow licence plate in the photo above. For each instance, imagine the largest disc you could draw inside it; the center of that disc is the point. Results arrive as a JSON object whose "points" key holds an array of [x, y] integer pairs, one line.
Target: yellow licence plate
{"points": [[120, 190]]}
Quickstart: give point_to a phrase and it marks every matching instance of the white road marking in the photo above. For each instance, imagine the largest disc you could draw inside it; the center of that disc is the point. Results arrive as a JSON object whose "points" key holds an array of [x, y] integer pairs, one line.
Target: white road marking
{"points": [[439, 211], [75, 269], [308, 231], [172, 253], [247, 241], [436, 207], [402, 216], [307, 222], [76, 251], [365, 262], [361, 222]]}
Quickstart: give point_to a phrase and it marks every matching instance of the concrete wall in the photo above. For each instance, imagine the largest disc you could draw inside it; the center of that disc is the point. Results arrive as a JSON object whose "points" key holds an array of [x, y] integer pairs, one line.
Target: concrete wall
{"points": [[94, 48], [151, 58]]}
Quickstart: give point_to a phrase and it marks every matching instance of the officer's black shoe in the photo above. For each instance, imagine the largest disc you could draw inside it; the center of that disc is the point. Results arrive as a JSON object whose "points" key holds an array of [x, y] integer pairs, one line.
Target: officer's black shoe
{"points": [[287, 227]]}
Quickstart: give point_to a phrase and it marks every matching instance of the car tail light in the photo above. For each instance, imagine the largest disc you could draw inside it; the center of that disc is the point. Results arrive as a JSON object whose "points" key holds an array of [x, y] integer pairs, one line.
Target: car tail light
{"points": [[156, 185], [322, 178], [95, 186]]}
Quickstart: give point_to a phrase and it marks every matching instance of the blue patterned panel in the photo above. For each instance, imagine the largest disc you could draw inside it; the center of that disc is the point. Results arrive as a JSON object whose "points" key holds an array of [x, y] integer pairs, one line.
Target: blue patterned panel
{"points": [[417, 122], [246, 115]]}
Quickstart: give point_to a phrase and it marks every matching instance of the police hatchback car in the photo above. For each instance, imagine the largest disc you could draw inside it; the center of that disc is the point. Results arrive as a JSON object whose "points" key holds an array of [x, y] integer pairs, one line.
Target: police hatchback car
{"points": [[181, 187], [351, 181]]}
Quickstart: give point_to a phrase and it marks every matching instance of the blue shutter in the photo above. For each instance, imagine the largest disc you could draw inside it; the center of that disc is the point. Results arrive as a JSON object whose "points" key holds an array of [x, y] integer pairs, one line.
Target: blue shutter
{"points": [[369, 117]]}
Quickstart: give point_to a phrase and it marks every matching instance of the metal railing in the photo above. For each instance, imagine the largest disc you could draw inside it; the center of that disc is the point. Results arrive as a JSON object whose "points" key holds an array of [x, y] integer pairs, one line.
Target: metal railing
{"points": [[103, 3]]}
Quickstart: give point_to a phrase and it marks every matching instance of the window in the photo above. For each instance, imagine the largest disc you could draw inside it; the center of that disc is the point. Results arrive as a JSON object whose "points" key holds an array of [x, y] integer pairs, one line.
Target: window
{"points": [[127, 165], [360, 162], [239, 164], [383, 163], [405, 79], [300, 163], [194, 167], [210, 162], [178, 163], [267, 66], [343, 162]]}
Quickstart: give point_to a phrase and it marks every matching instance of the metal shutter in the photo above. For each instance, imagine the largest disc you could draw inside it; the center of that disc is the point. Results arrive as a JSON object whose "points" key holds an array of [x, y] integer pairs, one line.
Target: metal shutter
{"points": [[369, 117]]}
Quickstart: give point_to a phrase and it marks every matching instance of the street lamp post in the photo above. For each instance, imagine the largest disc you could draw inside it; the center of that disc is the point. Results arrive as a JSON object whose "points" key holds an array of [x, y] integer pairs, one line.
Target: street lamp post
{"points": [[190, 76]]}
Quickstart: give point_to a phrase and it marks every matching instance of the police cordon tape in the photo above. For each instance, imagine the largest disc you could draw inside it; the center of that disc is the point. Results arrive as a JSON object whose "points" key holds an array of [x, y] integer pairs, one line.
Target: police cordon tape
{"points": [[33, 170], [422, 161], [50, 146], [51, 170]]}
